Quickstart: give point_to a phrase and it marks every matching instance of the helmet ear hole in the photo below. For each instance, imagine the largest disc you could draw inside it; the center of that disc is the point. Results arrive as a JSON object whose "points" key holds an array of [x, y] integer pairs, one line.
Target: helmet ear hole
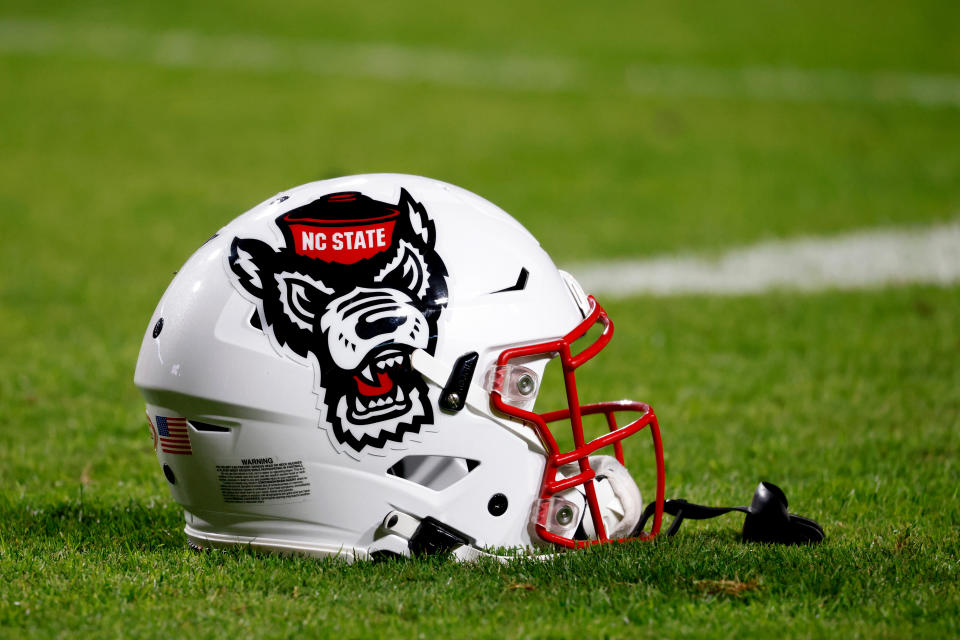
{"points": [[497, 505]]}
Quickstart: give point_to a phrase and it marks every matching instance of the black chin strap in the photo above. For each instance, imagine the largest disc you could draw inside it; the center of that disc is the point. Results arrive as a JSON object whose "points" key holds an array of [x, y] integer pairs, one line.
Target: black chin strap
{"points": [[767, 518]]}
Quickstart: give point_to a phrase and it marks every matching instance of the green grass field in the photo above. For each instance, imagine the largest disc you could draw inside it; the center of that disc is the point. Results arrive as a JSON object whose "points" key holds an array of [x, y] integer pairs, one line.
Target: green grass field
{"points": [[122, 151]]}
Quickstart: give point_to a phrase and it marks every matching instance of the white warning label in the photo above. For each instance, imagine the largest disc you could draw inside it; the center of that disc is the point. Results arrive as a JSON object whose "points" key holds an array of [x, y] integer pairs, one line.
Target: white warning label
{"points": [[263, 480]]}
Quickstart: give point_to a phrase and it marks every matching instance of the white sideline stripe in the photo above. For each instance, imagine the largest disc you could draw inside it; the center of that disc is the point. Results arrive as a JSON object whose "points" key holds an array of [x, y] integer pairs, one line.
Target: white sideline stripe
{"points": [[864, 259], [796, 85], [254, 53], [391, 62]]}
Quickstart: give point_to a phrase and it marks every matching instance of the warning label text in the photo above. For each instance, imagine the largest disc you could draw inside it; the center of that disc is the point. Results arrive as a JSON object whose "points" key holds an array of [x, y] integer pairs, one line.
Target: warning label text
{"points": [[260, 480]]}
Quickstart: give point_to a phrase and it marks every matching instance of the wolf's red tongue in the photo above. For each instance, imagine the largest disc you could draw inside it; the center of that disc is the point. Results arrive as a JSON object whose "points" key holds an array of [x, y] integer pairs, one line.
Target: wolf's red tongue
{"points": [[384, 384]]}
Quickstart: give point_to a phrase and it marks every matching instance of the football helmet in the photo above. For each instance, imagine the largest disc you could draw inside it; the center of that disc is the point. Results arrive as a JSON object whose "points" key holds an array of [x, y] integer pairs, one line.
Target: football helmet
{"points": [[353, 368]]}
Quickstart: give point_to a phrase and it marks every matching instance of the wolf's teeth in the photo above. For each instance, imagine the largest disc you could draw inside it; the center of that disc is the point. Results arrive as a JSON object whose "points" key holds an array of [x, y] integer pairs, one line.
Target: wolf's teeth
{"points": [[381, 364], [399, 394], [358, 407], [398, 361], [366, 373]]}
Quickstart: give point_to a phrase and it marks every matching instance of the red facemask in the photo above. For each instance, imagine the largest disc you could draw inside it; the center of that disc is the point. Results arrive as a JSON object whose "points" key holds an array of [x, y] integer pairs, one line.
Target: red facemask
{"points": [[549, 515]]}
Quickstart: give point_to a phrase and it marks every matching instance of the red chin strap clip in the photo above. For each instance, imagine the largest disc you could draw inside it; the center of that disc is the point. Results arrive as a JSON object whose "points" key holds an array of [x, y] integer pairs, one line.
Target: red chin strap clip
{"points": [[550, 509]]}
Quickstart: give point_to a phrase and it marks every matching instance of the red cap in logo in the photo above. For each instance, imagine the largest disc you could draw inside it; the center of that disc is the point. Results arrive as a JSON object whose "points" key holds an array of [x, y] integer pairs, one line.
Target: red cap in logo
{"points": [[342, 227]]}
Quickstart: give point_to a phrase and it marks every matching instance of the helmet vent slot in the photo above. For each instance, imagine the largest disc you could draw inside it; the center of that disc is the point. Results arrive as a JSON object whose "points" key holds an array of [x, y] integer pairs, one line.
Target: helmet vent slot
{"points": [[521, 283], [206, 426], [433, 472]]}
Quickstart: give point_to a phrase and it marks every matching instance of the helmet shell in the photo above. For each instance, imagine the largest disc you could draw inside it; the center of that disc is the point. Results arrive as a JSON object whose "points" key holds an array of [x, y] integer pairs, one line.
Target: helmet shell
{"points": [[248, 361]]}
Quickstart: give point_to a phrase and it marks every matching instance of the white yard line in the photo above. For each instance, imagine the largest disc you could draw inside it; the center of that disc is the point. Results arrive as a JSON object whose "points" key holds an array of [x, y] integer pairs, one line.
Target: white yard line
{"points": [[858, 260], [796, 85], [256, 53], [470, 69]]}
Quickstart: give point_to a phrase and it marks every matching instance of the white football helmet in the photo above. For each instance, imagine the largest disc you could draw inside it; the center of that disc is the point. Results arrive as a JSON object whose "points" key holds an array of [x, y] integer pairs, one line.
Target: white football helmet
{"points": [[350, 368]]}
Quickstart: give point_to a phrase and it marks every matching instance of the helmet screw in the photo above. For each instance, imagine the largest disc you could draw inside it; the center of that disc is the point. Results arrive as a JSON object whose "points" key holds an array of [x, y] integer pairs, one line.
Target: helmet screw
{"points": [[564, 515], [525, 384], [452, 399]]}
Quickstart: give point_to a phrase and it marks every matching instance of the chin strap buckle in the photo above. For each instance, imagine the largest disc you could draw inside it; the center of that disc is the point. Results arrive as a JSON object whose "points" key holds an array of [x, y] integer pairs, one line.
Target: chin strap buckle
{"points": [[424, 537], [767, 518]]}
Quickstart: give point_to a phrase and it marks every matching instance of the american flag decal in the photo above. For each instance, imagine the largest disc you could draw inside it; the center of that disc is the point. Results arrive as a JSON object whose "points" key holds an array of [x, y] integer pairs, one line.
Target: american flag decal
{"points": [[174, 437]]}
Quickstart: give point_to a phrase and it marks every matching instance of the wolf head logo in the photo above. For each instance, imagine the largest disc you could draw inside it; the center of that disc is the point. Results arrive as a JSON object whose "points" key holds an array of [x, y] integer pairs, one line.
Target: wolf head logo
{"points": [[355, 290]]}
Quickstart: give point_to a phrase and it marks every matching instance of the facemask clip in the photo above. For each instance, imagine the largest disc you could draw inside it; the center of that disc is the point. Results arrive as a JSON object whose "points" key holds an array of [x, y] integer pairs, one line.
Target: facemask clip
{"points": [[557, 515], [516, 384]]}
